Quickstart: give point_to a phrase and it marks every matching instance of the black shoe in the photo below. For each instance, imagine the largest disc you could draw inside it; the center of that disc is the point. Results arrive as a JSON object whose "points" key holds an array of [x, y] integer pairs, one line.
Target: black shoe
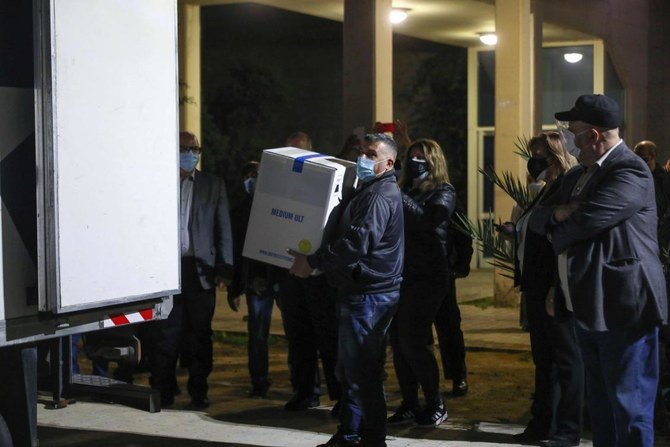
{"points": [[529, 437], [260, 391], [337, 441], [558, 441], [432, 416], [335, 411], [460, 388], [403, 415], [299, 403], [200, 403]]}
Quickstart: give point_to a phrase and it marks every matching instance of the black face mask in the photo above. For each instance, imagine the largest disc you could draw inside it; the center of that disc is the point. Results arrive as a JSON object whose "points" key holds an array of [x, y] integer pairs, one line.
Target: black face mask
{"points": [[536, 166], [417, 167]]}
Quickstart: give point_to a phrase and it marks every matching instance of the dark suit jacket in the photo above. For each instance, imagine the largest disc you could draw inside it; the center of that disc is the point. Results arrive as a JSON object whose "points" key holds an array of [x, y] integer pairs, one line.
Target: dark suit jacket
{"points": [[249, 276], [615, 276], [209, 228], [539, 261]]}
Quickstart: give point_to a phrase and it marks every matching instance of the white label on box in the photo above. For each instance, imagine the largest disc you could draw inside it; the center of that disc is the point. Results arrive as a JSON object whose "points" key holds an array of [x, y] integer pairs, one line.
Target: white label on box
{"points": [[295, 194]]}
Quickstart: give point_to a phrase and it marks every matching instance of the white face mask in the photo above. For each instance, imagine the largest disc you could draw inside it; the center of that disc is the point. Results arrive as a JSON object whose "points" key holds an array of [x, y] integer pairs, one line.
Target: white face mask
{"points": [[568, 138]]}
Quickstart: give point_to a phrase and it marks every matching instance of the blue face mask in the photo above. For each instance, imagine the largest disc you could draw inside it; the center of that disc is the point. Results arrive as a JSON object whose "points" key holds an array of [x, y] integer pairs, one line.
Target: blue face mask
{"points": [[365, 169], [250, 185], [188, 160]]}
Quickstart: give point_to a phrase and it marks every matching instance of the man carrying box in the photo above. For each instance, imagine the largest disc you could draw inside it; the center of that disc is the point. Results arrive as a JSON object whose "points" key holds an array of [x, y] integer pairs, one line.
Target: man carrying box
{"points": [[364, 262]]}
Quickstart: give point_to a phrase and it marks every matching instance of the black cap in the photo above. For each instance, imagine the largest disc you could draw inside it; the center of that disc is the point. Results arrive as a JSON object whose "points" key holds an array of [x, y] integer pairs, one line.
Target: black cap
{"points": [[597, 110]]}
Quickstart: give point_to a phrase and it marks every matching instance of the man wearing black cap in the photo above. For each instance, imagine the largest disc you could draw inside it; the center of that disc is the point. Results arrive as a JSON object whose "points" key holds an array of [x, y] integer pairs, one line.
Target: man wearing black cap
{"points": [[602, 224]]}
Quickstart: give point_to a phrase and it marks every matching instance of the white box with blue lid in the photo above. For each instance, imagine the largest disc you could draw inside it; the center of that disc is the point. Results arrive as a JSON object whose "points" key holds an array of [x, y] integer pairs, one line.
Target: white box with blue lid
{"points": [[295, 203]]}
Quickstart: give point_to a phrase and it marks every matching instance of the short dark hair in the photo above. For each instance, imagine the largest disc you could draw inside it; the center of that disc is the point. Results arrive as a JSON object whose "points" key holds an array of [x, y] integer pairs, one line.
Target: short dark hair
{"points": [[302, 137], [389, 143], [249, 168]]}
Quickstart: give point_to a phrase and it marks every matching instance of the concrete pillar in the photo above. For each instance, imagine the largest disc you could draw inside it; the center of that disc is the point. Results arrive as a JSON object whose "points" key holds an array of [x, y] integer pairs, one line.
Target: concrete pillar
{"points": [[515, 105], [367, 64], [189, 68]]}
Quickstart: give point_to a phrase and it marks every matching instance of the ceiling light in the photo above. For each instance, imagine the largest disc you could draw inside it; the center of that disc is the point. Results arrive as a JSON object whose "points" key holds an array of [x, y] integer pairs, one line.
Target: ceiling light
{"points": [[573, 58], [398, 15], [489, 39]]}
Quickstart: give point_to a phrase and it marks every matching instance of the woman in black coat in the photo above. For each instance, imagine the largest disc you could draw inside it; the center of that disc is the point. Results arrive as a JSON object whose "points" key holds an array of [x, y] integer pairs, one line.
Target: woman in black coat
{"points": [[559, 377], [428, 203]]}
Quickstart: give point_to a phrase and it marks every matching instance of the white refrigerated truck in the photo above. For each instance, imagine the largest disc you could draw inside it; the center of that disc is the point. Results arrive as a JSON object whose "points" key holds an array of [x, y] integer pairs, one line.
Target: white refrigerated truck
{"points": [[88, 169]]}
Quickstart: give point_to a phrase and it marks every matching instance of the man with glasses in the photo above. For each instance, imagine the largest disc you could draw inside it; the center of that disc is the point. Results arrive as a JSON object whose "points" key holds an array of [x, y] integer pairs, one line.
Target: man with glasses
{"points": [[602, 225], [364, 263], [206, 263]]}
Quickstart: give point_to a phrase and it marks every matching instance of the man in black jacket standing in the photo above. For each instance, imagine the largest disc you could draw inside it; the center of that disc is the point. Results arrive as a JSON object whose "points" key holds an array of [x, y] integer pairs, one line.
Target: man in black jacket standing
{"points": [[206, 264], [364, 262]]}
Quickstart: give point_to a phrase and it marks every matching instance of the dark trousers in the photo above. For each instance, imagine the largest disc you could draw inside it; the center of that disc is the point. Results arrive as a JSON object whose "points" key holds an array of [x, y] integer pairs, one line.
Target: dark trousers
{"points": [[621, 380], [190, 320], [259, 310], [412, 340], [363, 322], [308, 309], [450, 335], [559, 373]]}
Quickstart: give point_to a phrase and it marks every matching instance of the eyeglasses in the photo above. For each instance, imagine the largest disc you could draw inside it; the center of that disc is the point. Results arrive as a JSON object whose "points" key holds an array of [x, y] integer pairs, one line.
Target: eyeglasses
{"points": [[193, 149]]}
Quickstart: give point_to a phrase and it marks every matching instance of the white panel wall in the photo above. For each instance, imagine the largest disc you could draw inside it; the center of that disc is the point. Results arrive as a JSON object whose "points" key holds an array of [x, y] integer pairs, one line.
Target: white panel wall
{"points": [[115, 141]]}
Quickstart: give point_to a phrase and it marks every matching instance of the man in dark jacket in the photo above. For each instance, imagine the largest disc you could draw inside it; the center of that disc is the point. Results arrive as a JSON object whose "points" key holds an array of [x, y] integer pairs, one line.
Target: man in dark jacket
{"points": [[206, 263], [602, 224], [259, 282], [364, 262]]}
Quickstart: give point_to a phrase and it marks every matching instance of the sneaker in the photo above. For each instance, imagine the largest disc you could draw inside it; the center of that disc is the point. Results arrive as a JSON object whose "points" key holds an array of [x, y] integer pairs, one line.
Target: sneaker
{"points": [[431, 416], [403, 415]]}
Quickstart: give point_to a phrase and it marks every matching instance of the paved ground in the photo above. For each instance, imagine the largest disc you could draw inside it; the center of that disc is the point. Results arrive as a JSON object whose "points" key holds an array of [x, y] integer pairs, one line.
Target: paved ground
{"points": [[483, 327], [235, 420]]}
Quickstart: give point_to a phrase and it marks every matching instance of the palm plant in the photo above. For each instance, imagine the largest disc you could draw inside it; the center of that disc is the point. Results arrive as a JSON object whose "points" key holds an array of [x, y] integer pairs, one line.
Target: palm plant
{"points": [[522, 147], [510, 184], [489, 240], [484, 231]]}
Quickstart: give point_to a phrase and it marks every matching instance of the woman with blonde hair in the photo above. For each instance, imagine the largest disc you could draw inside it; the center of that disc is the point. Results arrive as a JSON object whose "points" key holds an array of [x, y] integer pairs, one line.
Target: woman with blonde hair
{"points": [[559, 382], [428, 203]]}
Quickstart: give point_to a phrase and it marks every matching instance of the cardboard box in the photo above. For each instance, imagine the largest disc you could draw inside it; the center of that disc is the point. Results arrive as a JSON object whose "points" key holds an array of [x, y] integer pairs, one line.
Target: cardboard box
{"points": [[295, 202]]}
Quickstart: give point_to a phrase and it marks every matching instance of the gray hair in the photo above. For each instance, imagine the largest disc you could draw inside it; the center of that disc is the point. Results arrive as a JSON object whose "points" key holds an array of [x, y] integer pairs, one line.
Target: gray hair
{"points": [[389, 145]]}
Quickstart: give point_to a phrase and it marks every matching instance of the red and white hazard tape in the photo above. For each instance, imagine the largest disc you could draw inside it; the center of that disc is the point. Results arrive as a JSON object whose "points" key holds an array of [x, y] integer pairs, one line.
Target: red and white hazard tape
{"points": [[128, 318]]}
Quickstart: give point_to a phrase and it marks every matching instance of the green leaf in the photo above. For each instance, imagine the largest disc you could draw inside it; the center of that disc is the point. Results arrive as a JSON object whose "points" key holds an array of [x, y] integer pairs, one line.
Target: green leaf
{"points": [[488, 240], [511, 185], [522, 147]]}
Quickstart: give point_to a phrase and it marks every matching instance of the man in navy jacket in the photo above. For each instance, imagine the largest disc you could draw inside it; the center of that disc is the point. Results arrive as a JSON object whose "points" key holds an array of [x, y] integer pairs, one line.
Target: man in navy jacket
{"points": [[364, 262], [602, 224]]}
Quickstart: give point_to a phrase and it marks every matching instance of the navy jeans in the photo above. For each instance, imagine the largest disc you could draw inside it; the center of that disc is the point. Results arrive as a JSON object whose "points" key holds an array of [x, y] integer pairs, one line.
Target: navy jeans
{"points": [[258, 325], [621, 380], [363, 325]]}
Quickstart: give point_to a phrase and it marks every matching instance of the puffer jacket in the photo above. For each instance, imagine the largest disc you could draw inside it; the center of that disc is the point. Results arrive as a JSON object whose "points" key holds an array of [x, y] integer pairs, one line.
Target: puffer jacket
{"points": [[366, 255], [427, 216]]}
